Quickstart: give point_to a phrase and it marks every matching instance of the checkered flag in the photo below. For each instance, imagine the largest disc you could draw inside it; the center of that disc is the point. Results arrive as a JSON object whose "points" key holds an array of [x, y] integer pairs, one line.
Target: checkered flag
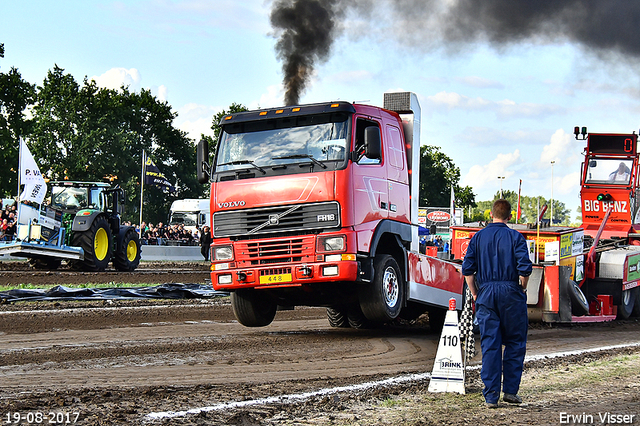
{"points": [[466, 327]]}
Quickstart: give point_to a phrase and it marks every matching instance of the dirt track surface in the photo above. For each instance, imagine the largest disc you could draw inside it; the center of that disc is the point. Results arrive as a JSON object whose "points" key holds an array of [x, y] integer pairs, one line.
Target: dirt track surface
{"points": [[117, 362], [19, 272]]}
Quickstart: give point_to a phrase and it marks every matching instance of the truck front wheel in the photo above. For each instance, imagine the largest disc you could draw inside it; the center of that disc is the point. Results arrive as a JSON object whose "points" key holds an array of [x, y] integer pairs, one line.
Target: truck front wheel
{"points": [[96, 243], [382, 299], [253, 309]]}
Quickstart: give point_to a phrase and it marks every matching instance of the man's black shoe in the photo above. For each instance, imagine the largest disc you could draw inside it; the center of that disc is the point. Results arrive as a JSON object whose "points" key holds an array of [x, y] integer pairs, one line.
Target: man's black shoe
{"points": [[511, 398]]}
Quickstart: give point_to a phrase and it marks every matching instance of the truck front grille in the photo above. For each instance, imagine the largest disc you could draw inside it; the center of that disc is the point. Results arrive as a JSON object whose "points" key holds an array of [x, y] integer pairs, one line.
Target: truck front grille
{"points": [[275, 251], [279, 219]]}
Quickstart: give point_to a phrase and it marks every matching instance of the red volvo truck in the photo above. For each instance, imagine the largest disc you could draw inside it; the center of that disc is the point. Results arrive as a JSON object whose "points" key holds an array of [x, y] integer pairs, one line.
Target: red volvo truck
{"points": [[317, 205]]}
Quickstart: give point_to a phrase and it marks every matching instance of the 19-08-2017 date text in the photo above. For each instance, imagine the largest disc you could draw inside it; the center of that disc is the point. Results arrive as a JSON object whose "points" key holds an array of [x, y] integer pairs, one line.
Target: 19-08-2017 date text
{"points": [[41, 417]]}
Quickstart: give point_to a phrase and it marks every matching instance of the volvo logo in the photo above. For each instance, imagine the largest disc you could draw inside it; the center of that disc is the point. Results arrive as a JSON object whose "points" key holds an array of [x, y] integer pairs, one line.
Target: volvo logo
{"points": [[274, 219], [228, 204]]}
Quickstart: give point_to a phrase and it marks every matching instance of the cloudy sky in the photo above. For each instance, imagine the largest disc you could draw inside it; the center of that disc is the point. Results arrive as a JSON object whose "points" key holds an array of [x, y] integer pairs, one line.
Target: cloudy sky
{"points": [[499, 103]]}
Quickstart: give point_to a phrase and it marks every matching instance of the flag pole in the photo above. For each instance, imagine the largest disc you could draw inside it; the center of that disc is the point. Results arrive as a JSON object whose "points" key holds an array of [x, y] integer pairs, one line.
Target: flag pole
{"points": [[19, 166], [519, 210], [141, 191]]}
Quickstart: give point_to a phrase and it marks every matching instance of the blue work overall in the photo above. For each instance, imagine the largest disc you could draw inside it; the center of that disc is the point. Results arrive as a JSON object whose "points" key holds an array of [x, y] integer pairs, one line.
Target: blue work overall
{"points": [[498, 255]]}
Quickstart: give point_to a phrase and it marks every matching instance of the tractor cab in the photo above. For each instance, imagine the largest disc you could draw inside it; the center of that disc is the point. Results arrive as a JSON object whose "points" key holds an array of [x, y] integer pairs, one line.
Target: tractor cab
{"points": [[609, 184], [74, 196]]}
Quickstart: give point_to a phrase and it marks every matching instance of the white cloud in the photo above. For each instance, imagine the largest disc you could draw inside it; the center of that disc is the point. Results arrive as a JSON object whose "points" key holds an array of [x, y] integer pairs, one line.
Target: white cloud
{"points": [[481, 176], [455, 100], [351, 77], [196, 120], [483, 83], [504, 109], [557, 148], [117, 77], [274, 97], [564, 150], [489, 136], [510, 109], [568, 184], [161, 92]]}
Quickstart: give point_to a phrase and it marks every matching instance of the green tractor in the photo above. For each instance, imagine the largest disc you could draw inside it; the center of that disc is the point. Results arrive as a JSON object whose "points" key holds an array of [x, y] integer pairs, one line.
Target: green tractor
{"points": [[81, 224]]}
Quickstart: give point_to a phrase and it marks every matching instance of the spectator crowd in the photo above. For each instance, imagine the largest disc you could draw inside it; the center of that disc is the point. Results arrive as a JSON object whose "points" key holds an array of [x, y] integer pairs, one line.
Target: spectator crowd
{"points": [[163, 235], [9, 218], [159, 234]]}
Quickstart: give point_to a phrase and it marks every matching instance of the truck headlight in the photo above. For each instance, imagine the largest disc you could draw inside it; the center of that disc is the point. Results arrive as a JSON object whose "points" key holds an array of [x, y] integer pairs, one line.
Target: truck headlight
{"points": [[331, 243], [222, 253]]}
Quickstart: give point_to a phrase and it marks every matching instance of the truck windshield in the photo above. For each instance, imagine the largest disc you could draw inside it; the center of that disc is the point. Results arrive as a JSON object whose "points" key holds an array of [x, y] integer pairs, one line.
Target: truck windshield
{"points": [[186, 219], [609, 171], [273, 143]]}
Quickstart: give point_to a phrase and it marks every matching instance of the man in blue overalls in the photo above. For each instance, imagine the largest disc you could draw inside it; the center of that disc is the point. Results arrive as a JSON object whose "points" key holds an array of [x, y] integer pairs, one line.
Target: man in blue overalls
{"points": [[496, 269]]}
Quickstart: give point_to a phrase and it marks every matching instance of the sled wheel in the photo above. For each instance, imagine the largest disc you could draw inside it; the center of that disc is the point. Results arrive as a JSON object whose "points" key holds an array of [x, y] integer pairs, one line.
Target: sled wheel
{"points": [[382, 299], [253, 309], [96, 243], [358, 320], [127, 258], [628, 301], [579, 303], [636, 306], [337, 317]]}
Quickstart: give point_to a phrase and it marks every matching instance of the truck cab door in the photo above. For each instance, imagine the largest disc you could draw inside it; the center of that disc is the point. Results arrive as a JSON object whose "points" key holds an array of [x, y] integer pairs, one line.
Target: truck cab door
{"points": [[397, 173], [371, 193]]}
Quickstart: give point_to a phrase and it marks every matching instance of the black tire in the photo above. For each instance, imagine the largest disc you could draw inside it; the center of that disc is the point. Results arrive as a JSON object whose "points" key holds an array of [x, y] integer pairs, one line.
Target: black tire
{"points": [[337, 317], [625, 308], [381, 300], [436, 318], [50, 264], [127, 257], [96, 243], [253, 309], [358, 320], [636, 306], [579, 303]]}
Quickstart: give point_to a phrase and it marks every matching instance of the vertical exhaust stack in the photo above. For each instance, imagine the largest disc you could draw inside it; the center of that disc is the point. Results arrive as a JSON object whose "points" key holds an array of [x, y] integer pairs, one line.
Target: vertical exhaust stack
{"points": [[407, 106]]}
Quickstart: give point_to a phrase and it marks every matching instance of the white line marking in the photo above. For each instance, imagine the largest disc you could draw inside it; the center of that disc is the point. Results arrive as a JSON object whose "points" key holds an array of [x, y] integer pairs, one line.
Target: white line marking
{"points": [[288, 399], [297, 397]]}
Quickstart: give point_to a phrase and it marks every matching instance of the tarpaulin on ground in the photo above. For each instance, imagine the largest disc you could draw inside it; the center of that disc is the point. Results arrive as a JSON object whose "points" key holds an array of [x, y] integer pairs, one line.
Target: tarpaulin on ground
{"points": [[163, 291]]}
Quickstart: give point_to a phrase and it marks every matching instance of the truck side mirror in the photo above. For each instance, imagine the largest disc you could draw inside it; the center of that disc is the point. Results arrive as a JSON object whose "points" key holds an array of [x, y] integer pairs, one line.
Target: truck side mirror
{"points": [[372, 143], [202, 161]]}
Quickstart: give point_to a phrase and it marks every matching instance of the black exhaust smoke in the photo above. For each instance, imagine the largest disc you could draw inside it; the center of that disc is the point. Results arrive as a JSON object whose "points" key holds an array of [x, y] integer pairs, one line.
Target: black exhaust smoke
{"points": [[306, 29], [599, 26]]}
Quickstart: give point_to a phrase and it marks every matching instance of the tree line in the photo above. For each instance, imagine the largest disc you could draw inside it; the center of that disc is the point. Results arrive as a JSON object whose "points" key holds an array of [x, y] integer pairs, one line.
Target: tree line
{"points": [[79, 131], [530, 207]]}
